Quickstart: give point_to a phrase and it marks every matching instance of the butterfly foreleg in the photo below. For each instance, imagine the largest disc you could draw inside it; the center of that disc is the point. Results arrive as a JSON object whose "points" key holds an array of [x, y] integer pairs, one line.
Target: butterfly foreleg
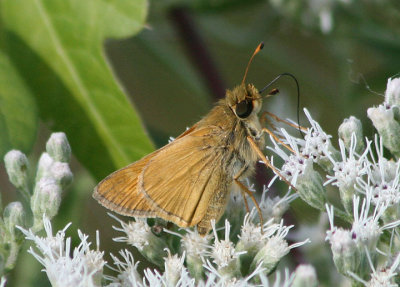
{"points": [[267, 162], [277, 139], [278, 119]]}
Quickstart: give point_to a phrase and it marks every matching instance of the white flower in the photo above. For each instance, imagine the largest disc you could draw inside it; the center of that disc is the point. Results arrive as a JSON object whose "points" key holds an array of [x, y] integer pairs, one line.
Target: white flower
{"points": [[194, 244], [137, 232], [296, 164], [275, 207], [223, 251], [275, 248], [383, 277], [317, 142], [286, 282], [83, 268], [383, 179], [214, 278], [365, 229], [350, 168], [154, 278], [3, 281], [305, 276], [127, 271], [346, 254], [175, 272], [277, 245], [250, 233]]}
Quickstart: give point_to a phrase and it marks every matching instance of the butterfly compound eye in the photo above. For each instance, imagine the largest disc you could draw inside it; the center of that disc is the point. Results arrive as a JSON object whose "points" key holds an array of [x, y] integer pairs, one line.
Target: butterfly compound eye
{"points": [[244, 109]]}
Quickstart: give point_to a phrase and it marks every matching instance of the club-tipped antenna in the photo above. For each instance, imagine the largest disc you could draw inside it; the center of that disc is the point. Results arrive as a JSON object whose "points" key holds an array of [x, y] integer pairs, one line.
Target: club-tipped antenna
{"points": [[258, 49], [298, 93]]}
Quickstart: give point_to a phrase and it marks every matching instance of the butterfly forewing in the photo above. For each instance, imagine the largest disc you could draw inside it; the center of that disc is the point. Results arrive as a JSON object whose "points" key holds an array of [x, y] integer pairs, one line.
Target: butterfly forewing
{"points": [[183, 177], [175, 183]]}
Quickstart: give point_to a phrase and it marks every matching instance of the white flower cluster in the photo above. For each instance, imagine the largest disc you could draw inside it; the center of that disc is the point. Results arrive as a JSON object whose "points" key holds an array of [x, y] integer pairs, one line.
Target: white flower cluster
{"points": [[209, 260], [368, 180], [220, 259], [84, 267]]}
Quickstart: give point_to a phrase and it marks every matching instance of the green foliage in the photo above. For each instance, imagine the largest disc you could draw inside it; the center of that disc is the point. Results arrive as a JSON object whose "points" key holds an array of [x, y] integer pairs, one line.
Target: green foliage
{"points": [[57, 48], [16, 99]]}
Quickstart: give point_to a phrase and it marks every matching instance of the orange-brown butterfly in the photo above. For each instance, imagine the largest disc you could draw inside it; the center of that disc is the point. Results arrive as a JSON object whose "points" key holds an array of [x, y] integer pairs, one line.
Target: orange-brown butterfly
{"points": [[188, 181]]}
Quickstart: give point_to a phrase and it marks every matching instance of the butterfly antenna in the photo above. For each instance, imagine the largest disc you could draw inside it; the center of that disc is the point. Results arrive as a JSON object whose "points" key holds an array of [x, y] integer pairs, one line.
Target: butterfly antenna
{"points": [[258, 49], [275, 91]]}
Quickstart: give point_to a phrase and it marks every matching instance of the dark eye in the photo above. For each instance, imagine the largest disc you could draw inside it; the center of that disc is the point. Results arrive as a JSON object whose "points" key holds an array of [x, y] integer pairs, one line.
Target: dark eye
{"points": [[244, 109]]}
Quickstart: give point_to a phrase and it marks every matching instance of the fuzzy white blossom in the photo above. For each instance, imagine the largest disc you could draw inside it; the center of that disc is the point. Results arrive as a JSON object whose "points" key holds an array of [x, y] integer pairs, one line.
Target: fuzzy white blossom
{"points": [[382, 277], [138, 233], [275, 207], [223, 250], [84, 267], [126, 269]]}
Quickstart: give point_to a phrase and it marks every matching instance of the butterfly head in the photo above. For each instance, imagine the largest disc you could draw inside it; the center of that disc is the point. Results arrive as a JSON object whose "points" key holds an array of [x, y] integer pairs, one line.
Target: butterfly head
{"points": [[244, 100]]}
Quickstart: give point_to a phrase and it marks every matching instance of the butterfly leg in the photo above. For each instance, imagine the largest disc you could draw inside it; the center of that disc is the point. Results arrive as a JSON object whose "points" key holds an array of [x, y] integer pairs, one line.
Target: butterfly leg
{"points": [[245, 200], [278, 139], [241, 171], [264, 120], [246, 190], [278, 119], [267, 162]]}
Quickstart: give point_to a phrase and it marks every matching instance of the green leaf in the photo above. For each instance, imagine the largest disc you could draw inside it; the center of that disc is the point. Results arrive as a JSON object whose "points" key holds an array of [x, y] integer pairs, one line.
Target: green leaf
{"points": [[58, 46], [18, 113]]}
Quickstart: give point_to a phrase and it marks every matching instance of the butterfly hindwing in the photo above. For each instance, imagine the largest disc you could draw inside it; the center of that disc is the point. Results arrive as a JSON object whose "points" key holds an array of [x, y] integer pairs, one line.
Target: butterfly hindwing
{"points": [[119, 192]]}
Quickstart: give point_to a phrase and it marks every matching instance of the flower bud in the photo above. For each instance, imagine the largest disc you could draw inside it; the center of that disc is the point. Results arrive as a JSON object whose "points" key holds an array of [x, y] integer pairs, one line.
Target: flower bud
{"points": [[174, 269], [251, 239], [14, 215], [46, 198], [44, 166], [275, 207], [195, 267], [61, 172], [17, 169], [155, 250], [346, 130], [305, 276], [392, 94], [310, 188], [270, 255], [299, 170], [195, 247], [383, 118], [58, 147], [346, 255]]}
